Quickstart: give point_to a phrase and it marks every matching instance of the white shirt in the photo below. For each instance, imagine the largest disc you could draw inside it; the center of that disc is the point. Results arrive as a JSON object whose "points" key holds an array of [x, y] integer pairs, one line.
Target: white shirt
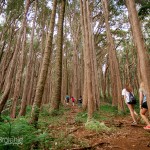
{"points": [[144, 94], [126, 94]]}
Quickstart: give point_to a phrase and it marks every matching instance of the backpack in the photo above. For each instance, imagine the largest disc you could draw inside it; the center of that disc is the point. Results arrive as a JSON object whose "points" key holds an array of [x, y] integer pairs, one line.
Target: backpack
{"points": [[132, 99]]}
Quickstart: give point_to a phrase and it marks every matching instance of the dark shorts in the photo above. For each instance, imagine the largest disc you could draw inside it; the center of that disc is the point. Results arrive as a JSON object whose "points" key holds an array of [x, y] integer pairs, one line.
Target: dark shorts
{"points": [[134, 102], [80, 101], [144, 105], [67, 100]]}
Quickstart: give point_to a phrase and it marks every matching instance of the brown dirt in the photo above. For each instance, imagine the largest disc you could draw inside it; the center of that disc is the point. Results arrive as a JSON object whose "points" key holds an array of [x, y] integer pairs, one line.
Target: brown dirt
{"points": [[125, 136]]}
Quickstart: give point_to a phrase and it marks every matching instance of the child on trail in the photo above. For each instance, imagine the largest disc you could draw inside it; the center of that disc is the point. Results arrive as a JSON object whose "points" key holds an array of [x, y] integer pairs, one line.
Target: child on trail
{"points": [[126, 93], [143, 105], [67, 99], [73, 100], [80, 101]]}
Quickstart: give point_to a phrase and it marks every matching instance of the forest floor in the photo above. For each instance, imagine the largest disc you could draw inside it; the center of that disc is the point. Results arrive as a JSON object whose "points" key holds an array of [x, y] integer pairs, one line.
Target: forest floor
{"points": [[123, 137]]}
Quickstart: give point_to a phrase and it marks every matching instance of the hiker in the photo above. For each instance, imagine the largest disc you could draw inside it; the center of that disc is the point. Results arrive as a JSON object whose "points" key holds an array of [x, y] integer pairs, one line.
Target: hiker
{"points": [[80, 101], [126, 93], [73, 100], [67, 99], [143, 105]]}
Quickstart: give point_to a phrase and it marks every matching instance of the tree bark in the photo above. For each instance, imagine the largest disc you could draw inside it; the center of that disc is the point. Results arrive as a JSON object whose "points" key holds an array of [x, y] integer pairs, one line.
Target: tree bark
{"points": [[85, 97], [114, 67], [91, 96], [44, 69], [89, 58], [58, 65], [17, 85], [144, 62], [28, 69], [13, 61]]}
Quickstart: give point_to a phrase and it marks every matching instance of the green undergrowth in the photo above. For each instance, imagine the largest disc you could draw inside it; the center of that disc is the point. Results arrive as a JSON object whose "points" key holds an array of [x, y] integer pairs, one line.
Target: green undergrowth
{"points": [[51, 132], [16, 134], [82, 117], [55, 119], [19, 134], [106, 111], [96, 126]]}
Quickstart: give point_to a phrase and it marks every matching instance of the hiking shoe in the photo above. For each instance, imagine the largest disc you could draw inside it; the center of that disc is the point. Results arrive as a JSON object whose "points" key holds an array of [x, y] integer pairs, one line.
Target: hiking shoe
{"points": [[147, 127], [134, 123]]}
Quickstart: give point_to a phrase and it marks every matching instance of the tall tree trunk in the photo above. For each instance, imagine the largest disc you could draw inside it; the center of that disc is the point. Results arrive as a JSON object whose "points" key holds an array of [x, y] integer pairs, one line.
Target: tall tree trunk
{"points": [[81, 73], [13, 61], [28, 69], [90, 101], [44, 69], [114, 67], [35, 65], [89, 73], [144, 62], [91, 96], [5, 63], [85, 96], [2, 50], [94, 64], [58, 72], [20, 67], [104, 81], [75, 64]]}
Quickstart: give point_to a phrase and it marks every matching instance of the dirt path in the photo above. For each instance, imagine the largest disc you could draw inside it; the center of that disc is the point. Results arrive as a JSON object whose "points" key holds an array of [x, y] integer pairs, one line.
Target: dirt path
{"points": [[125, 137]]}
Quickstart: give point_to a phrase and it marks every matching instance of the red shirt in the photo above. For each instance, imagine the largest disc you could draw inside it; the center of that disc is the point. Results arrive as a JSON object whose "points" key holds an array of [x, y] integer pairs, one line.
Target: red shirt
{"points": [[72, 99]]}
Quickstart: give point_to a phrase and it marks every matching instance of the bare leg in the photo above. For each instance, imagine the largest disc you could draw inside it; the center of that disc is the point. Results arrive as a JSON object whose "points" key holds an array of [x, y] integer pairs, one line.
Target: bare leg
{"points": [[135, 113], [143, 115], [131, 108]]}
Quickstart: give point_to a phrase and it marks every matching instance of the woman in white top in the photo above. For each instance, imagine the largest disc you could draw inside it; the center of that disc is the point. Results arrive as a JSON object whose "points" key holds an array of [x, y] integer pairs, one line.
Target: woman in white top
{"points": [[126, 92], [143, 105]]}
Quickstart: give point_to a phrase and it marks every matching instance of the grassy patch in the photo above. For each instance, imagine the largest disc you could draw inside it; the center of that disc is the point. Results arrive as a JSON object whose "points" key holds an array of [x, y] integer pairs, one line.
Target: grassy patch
{"points": [[96, 126], [104, 114], [81, 117], [99, 116], [109, 109], [55, 120]]}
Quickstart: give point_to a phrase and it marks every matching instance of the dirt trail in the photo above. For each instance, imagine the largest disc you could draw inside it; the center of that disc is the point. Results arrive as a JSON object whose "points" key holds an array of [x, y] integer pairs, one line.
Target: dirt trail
{"points": [[125, 137]]}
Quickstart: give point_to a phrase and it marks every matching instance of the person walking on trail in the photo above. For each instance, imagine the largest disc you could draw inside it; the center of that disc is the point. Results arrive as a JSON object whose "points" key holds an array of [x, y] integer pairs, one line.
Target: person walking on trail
{"points": [[126, 92], [67, 99], [73, 100], [143, 105], [80, 101]]}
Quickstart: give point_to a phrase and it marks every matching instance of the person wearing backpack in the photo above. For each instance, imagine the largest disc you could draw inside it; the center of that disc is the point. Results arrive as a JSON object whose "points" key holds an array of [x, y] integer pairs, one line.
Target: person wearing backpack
{"points": [[127, 93], [67, 99], [80, 101], [143, 105]]}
